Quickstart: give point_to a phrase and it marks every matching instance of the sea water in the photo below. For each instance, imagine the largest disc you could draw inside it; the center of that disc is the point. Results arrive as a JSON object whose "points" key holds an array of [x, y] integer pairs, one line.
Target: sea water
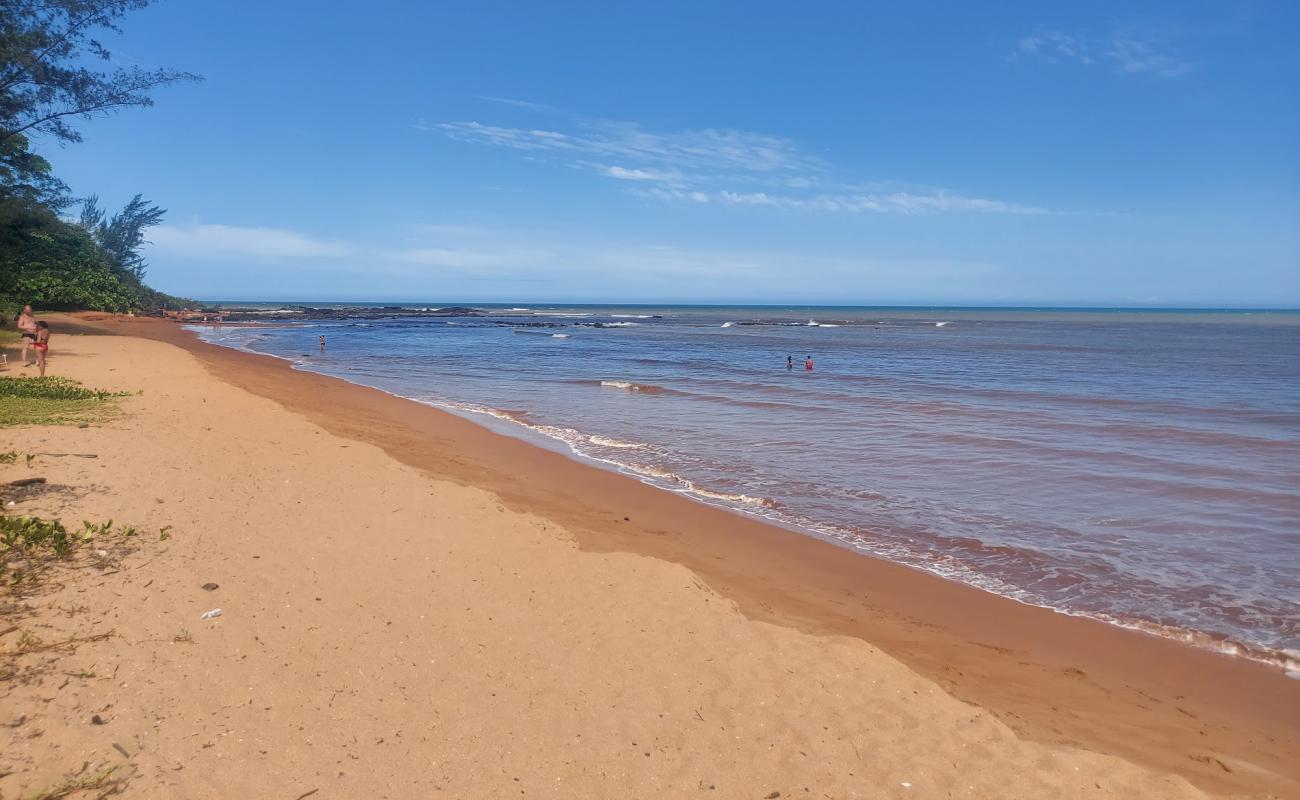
{"points": [[1139, 467]]}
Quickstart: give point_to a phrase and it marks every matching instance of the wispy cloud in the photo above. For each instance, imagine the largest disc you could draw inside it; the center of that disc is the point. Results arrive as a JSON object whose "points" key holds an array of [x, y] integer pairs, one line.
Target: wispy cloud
{"points": [[893, 202], [1125, 54], [450, 259], [723, 167], [1133, 57], [218, 242], [708, 149], [510, 101], [1055, 46]]}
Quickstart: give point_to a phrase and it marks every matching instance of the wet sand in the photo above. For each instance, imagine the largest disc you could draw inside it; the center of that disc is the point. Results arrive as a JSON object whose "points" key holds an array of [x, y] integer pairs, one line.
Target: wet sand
{"points": [[1226, 725]]}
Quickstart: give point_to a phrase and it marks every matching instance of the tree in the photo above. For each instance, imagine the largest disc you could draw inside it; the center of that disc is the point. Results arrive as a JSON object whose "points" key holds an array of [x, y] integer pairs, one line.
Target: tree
{"points": [[48, 80], [25, 177], [61, 267], [121, 236], [45, 83]]}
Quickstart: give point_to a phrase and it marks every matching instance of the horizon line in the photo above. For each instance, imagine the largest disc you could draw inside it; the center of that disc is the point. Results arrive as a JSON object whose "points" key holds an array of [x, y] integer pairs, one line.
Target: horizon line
{"points": [[1022, 307]]}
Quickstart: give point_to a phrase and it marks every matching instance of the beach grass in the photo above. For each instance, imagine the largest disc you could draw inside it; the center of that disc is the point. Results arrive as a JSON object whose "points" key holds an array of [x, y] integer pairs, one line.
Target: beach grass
{"points": [[53, 400], [83, 781]]}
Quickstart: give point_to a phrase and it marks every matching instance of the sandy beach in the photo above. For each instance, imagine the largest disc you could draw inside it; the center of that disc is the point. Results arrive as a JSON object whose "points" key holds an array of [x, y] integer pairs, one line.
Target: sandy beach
{"points": [[414, 606]]}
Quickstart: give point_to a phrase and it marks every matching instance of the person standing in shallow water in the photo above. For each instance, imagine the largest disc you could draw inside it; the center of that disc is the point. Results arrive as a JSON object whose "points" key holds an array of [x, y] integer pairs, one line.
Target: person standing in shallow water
{"points": [[322, 344], [807, 364], [789, 362]]}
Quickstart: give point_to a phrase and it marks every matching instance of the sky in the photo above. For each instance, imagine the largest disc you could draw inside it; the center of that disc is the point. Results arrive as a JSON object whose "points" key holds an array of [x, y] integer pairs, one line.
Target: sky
{"points": [[1015, 153]]}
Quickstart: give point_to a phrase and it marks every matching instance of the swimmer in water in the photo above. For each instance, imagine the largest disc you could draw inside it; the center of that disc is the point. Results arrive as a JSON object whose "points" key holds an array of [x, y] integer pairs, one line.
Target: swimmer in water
{"points": [[789, 362], [322, 344], [807, 364]]}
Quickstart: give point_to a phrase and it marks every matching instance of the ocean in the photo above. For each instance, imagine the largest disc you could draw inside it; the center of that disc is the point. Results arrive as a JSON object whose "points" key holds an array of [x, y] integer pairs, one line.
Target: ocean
{"points": [[1138, 467]]}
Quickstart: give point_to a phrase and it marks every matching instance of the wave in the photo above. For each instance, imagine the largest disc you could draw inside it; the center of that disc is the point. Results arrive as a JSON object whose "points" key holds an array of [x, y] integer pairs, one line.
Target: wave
{"points": [[605, 441], [655, 475], [727, 324], [941, 324], [645, 388], [634, 316]]}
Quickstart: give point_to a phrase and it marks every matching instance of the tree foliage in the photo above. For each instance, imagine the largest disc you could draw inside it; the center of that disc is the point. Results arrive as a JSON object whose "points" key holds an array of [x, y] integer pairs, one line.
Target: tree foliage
{"points": [[122, 235], [50, 78], [44, 83], [59, 267]]}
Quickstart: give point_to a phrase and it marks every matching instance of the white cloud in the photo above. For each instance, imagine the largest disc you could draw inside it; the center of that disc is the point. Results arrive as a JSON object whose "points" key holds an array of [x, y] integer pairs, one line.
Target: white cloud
{"points": [[659, 175], [473, 261], [510, 101], [1054, 45], [471, 258], [895, 202], [1132, 57], [1126, 54], [217, 242], [710, 166], [708, 149]]}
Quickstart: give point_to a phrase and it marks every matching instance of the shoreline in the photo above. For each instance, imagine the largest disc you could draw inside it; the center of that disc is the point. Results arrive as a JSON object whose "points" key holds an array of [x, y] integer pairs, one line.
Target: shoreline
{"points": [[1225, 723], [505, 424], [514, 425]]}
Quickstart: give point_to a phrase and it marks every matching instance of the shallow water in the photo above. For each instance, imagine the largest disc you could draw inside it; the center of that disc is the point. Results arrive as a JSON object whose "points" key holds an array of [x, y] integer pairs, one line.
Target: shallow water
{"points": [[1138, 467]]}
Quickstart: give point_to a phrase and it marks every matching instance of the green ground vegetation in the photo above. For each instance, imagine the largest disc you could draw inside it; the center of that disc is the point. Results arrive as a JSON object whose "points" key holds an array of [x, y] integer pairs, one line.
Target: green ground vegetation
{"points": [[53, 401]]}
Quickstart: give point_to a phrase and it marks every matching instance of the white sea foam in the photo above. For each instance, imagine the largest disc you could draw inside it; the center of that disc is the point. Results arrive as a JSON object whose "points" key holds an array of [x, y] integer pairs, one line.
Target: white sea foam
{"points": [[559, 335], [618, 385], [727, 324], [632, 316], [940, 324], [605, 441]]}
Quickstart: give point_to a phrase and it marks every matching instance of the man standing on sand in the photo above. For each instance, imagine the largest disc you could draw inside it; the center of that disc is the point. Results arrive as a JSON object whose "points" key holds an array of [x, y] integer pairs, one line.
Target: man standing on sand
{"points": [[27, 328]]}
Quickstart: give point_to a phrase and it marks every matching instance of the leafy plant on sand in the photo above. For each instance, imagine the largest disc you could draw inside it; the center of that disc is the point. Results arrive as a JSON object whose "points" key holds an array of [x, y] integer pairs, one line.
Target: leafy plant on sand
{"points": [[52, 400], [30, 545]]}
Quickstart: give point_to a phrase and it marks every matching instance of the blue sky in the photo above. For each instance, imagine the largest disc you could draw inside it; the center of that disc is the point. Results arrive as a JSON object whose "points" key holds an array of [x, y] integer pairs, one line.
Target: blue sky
{"points": [[1097, 153]]}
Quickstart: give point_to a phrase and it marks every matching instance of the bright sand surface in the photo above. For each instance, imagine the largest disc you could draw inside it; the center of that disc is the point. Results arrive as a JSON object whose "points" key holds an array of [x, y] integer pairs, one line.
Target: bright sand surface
{"points": [[415, 607]]}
